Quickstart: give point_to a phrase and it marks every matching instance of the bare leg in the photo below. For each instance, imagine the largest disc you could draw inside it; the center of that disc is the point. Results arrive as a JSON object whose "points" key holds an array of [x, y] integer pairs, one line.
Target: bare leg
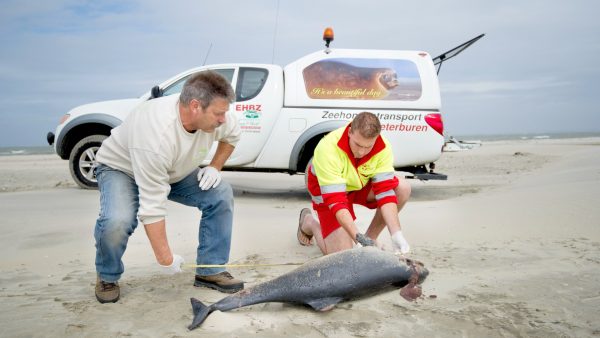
{"points": [[338, 240], [377, 224]]}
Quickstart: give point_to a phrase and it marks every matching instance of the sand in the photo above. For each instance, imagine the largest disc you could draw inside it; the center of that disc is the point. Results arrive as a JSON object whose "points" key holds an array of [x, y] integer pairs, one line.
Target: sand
{"points": [[512, 242]]}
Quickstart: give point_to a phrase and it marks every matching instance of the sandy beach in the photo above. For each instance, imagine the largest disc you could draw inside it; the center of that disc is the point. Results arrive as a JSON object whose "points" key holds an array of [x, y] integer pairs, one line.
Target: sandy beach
{"points": [[511, 240]]}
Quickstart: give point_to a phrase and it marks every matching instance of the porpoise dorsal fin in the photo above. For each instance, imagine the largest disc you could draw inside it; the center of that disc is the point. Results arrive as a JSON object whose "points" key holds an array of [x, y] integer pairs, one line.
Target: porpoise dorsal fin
{"points": [[324, 304]]}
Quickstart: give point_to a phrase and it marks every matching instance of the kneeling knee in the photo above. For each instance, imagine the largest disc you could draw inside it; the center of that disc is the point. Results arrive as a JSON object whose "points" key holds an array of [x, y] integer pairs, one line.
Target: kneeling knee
{"points": [[224, 191], [119, 222], [403, 191]]}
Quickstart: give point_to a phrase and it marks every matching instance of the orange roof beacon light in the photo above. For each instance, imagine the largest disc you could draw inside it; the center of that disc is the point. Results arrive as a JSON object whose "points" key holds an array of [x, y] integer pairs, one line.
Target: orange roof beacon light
{"points": [[328, 37]]}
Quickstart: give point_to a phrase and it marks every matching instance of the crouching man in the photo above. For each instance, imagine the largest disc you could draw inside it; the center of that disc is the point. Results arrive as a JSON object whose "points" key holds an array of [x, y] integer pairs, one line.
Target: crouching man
{"points": [[353, 165], [154, 156]]}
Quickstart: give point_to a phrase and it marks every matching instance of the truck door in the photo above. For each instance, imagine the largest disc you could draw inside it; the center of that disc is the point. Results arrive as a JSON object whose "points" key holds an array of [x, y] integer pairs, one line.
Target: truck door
{"points": [[259, 98]]}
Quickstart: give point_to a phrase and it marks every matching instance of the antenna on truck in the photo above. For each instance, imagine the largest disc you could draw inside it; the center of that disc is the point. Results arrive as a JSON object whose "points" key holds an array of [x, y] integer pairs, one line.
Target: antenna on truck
{"points": [[207, 52], [453, 52], [275, 31]]}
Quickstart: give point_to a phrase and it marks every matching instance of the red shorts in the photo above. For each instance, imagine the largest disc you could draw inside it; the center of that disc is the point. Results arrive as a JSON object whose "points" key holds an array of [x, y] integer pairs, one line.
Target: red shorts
{"points": [[327, 218]]}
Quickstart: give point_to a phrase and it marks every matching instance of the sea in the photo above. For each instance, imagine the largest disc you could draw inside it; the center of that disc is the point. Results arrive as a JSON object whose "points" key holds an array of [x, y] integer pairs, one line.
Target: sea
{"points": [[41, 150], [509, 137], [16, 151]]}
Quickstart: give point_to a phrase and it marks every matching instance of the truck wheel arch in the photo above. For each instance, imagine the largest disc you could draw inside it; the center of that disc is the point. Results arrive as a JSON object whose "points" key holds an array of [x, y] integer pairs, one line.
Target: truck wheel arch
{"points": [[306, 143], [81, 127]]}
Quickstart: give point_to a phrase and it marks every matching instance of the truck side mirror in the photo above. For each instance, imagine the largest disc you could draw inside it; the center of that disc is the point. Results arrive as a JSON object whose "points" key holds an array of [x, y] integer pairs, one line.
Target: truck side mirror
{"points": [[155, 92]]}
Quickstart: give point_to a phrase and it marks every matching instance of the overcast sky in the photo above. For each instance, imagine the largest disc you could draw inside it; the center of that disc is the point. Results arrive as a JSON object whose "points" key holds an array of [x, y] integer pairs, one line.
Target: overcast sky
{"points": [[535, 71]]}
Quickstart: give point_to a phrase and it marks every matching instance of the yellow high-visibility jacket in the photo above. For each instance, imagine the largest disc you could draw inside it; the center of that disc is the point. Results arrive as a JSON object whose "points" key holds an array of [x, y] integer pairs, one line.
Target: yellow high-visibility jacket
{"points": [[335, 172]]}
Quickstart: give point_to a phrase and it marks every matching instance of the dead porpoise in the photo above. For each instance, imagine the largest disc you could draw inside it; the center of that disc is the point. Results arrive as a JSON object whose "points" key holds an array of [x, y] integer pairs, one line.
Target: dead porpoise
{"points": [[323, 282]]}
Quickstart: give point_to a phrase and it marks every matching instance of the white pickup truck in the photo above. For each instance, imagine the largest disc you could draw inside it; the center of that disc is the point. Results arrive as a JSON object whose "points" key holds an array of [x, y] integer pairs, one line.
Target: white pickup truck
{"points": [[284, 112]]}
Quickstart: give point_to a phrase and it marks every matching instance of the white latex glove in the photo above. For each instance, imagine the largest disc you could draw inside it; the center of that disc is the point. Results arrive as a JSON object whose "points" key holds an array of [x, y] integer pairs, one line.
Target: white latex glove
{"points": [[208, 177], [174, 268], [400, 242]]}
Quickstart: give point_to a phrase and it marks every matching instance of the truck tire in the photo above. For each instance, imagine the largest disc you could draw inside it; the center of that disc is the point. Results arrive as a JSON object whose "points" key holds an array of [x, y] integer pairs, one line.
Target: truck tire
{"points": [[82, 161]]}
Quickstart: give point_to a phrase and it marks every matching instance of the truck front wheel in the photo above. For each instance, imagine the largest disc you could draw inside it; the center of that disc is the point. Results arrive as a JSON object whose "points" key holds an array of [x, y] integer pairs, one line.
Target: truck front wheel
{"points": [[82, 161]]}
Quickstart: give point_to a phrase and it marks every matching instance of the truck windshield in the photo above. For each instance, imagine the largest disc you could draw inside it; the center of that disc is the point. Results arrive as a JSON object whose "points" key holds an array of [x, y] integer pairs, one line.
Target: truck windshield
{"points": [[176, 87]]}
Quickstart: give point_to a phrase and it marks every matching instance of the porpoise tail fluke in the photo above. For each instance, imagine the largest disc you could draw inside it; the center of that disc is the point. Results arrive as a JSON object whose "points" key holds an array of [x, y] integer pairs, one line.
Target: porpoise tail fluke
{"points": [[201, 311]]}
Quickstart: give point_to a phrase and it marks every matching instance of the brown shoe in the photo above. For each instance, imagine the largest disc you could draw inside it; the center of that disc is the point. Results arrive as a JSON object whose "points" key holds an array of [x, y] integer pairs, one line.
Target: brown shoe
{"points": [[223, 282], [107, 292]]}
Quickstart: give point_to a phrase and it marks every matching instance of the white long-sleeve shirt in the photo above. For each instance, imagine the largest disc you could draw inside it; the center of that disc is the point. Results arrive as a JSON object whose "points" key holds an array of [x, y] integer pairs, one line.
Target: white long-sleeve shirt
{"points": [[152, 146]]}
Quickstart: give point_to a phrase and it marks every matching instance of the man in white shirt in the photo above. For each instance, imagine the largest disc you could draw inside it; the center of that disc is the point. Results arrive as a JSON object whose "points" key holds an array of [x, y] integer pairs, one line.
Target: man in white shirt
{"points": [[154, 156]]}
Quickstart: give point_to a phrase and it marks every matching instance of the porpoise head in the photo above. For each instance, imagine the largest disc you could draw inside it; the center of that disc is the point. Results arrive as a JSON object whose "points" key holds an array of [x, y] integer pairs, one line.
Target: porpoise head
{"points": [[420, 272]]}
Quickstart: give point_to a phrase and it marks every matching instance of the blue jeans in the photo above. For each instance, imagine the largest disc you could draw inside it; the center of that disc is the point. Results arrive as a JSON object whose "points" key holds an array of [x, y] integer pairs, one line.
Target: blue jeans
{"points": [[119, 203]]}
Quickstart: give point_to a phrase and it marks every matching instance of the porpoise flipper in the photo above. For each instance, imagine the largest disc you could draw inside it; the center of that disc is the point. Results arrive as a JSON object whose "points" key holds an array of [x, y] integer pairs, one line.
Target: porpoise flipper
{"points": [[324, 304]]}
